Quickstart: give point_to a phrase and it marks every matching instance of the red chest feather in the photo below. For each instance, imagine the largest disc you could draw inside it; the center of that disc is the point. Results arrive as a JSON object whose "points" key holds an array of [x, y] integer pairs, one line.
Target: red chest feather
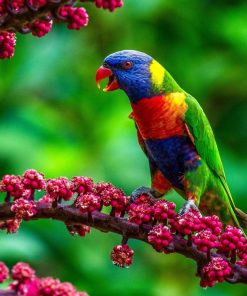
{"points": [[161, 116]]}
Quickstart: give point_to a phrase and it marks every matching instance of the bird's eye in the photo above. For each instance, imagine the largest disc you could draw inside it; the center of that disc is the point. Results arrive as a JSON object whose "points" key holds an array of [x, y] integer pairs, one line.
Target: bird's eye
{"points": [[127, 65], [105, 65]]}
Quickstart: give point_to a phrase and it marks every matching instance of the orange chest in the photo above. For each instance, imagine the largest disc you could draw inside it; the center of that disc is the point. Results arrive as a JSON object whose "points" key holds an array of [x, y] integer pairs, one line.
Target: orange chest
{"points": [[161, 116]]}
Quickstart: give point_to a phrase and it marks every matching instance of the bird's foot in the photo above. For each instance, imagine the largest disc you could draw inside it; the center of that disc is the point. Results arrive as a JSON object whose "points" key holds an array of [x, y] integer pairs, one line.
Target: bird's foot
{"points": [[142, 191], [188, 206]]}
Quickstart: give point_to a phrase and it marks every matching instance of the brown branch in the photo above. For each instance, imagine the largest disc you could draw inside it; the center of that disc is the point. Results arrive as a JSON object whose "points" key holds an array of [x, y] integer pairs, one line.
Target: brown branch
{"points": [[7, 293], [103, 222], [15, 23]]}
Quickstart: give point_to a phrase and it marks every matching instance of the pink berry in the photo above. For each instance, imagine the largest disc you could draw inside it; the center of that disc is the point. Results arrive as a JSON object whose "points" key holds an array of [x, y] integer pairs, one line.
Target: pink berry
{"points": [[16, 6], [40, 28], [59, 188], [4, 272], [187, 223], [122, 256], [215, 271], [82, 185], [13, 226], [36, 4], [230, 240], [111, 5], [3, 8], [160, 237], [143, 199], [65, 289], [212, 223], [88, 202], [76, 17], [26, 288], [243, 256], [33, 180], [164, 210], [205, 240], [12, 184], [22, 271], [47, 286], [23, 209], [46, 199], [139, 214]]}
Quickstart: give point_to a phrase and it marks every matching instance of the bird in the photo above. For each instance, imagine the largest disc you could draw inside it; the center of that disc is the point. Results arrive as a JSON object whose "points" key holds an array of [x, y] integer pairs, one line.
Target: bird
{"points": [[175, 135]]}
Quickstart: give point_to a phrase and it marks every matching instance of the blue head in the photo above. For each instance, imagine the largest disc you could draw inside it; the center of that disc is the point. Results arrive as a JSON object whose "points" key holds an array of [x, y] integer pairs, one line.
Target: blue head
{"points": [[134, 72]]}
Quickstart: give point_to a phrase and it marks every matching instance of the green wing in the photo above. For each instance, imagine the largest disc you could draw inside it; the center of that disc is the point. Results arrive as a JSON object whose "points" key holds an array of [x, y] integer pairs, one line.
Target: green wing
{"points": [[203, 136]]}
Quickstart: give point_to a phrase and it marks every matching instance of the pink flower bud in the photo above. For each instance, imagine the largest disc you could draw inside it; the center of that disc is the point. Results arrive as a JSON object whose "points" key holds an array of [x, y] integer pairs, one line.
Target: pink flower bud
{"points": [[160, 237], [187, 223], [164, 210], [4, 272], [88, 203], [122, 256], [230, 240], [40, 28], [76, 17], [23, 209], [111, 5], [82, 185], [22, 271], [12, 184], [140, 213], [60, 187], [33, 180], [215, 271]]}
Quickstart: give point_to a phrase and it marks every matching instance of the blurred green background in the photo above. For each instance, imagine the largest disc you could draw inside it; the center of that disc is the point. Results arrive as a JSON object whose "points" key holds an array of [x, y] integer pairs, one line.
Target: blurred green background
{"points": [[54, 119]]}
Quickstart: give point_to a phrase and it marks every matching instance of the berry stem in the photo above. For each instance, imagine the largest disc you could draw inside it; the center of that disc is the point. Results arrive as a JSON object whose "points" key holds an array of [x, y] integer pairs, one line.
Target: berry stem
{"points": [[233, 257], [209, 257], [189, 242], [124, 240], [7, 197]]}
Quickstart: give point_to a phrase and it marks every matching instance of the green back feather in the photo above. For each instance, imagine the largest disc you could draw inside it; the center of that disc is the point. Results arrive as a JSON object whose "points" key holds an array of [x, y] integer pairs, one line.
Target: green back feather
{"points": [[205, 143]]}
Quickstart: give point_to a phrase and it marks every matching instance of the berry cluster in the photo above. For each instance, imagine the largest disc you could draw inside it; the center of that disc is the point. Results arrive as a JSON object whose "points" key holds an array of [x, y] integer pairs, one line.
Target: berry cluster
{"points": [[26, 283], [58, 189], [36, 17], [121, 255], [112, 196], [186, 223], [23, 209], [157, 220], [88, 203], [231, 239], [110, 5], [215, 271], [160, 237]]}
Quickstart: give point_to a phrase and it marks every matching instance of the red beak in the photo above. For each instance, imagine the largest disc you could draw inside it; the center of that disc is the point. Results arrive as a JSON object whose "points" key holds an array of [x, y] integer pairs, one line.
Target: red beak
{"points": [[103, 73]]}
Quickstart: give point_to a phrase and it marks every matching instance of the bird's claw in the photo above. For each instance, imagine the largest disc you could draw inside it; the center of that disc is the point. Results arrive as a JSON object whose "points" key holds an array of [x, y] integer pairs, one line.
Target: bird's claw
{"points": [[189, 205]]}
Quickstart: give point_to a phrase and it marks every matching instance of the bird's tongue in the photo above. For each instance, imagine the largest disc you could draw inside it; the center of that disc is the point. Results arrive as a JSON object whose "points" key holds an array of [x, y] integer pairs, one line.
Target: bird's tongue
{"points": [[103, 73]]}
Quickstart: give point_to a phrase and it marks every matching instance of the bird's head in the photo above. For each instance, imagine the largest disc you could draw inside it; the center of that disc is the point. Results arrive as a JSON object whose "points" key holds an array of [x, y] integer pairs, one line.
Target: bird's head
{"points": [[137, 73]]}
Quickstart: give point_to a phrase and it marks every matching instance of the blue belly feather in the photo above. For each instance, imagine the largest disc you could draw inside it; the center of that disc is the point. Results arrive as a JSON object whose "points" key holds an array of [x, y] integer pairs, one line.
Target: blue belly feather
{"points": [[174, 157]]}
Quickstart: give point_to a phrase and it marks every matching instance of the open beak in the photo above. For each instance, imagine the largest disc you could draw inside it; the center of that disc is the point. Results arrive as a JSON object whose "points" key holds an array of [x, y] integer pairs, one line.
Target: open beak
{"points": [[103, 73]]}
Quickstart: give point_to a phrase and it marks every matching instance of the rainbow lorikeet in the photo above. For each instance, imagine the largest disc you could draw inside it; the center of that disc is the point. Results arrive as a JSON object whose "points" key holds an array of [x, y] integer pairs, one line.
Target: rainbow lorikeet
{"points": [[175, 135]]}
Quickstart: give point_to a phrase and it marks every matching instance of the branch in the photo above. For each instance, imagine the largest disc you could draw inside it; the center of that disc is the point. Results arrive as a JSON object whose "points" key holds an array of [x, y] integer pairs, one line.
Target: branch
{"points": [[8, 293], [148, 220], [36, 17], [24, 281], [103, 222], [16, 22]]}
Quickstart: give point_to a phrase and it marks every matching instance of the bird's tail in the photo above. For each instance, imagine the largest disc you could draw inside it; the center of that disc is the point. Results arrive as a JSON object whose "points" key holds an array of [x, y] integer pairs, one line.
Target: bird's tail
{"points": [[242, 217]]}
